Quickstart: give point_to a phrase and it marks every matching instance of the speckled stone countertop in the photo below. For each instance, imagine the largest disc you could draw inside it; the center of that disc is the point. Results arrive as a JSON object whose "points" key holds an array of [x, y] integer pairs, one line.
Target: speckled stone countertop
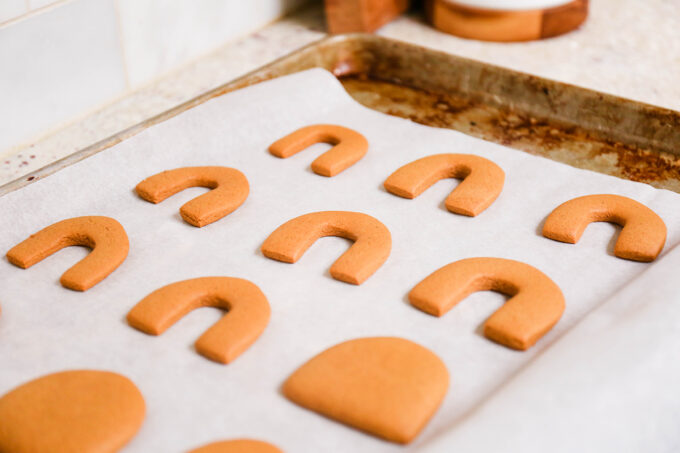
{"points": [[626, 47]]}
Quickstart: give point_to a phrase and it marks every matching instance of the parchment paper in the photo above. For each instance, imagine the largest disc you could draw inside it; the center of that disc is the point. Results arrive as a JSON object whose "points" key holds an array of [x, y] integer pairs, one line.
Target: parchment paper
{"points": [[191, 400]]}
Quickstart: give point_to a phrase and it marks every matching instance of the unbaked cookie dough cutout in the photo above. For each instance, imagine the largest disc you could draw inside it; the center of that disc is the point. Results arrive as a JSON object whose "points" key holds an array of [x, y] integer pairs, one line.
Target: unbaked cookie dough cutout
{"points": [[349, 147], [482, 180], [104, 235], [386, 386], [643, 233], [238, 446], [372, 242], [536, 303], [246, 318], [78, 411], [229, 189]]}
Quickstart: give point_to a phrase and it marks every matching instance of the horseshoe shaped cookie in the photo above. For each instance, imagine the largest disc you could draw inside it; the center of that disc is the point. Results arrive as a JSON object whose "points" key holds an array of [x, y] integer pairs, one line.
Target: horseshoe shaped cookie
{"points": [[229, 189], [643, 233], [386, 386], [246, 318], [348, 147], [104, 235], [238, 446], [536, 303], [372, 242], [482, 180], [76, 411]]}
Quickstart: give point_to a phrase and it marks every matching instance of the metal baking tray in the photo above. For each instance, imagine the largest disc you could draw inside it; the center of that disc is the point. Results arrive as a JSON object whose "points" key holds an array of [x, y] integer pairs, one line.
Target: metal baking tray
{"points": [[566, 123]]}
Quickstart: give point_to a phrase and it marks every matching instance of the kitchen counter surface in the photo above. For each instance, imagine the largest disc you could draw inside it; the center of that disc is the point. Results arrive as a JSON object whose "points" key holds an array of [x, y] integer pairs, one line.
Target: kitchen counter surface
{"points": [[626, 47]]}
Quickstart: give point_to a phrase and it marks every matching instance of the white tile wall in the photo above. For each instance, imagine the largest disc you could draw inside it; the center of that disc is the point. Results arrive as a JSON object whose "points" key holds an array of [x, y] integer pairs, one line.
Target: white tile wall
{"points": [[159, 34], [56, 65], [62, 58], [9, 9]]}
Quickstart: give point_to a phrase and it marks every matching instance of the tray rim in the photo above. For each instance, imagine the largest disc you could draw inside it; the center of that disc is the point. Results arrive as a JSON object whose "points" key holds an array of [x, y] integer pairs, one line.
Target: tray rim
{"points": [[268, 71]]}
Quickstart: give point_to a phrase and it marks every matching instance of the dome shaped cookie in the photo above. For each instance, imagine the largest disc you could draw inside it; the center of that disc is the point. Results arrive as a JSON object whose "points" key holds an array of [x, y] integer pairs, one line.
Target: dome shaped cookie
{"points": [[238, 446], [79, 411], [386, 386]]}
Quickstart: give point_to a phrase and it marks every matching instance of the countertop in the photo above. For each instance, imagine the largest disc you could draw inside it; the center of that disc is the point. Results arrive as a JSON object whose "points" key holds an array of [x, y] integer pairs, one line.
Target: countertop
{"points": [[626, 47]]}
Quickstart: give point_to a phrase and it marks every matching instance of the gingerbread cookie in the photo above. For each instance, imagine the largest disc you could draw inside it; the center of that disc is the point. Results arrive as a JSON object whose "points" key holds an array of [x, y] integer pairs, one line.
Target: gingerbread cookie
{"points": [[238, 446], [247, 313], [105, 236], [642, 237], [482, 180], [229, 191], [372, 242], [348, 147], [389, 387], [81, 411], [536, 303]]}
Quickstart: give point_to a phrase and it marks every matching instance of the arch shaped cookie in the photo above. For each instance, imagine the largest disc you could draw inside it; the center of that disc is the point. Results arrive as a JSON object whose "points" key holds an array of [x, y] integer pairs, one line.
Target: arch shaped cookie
{"points": [[372, 242], [247, 316], [104, 235], [536, 303], [229, 189], [238, 446], [482, 180], [386, 386], [76, 411], [348, 147], [642, 237]]}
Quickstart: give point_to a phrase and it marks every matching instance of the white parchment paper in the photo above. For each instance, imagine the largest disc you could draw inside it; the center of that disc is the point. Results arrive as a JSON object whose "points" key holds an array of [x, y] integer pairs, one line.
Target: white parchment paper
{"points": [[191, 400]]}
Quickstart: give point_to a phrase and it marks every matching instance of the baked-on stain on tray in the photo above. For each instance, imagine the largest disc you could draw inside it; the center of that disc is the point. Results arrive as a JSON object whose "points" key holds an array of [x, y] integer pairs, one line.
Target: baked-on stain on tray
{"points": [[569, 144]]}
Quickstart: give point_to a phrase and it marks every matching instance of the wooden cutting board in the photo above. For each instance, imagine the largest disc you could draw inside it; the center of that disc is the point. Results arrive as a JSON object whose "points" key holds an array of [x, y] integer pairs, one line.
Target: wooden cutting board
{"points": [[349, 16]]}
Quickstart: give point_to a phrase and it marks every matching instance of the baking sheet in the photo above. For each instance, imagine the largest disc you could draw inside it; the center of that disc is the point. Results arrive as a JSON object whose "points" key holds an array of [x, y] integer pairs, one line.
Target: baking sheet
{"points": [[190, 400]]}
